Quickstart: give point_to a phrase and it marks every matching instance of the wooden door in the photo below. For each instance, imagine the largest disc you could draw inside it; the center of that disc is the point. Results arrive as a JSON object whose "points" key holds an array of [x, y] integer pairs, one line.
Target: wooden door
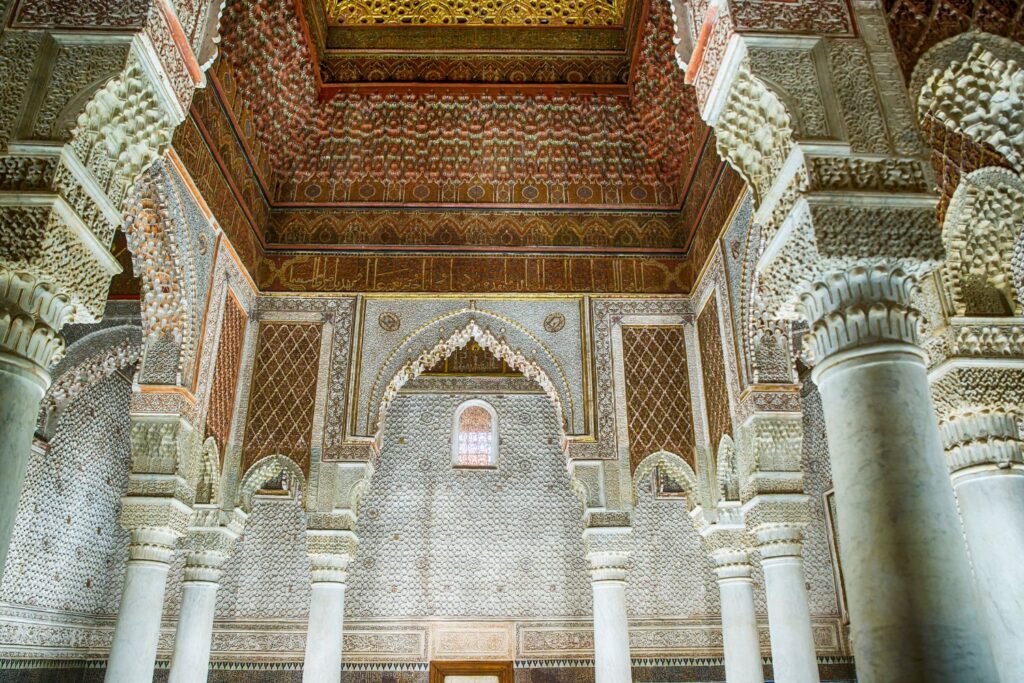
{"points": [[471, 672]]}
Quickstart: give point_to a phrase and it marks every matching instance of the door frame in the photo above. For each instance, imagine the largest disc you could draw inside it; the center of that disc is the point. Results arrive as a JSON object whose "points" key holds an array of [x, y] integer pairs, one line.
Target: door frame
{"points": [[440, 669]]}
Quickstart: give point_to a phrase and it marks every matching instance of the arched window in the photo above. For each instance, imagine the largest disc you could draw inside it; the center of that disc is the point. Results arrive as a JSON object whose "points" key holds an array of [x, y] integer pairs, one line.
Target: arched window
{"points": [[475, 435]]}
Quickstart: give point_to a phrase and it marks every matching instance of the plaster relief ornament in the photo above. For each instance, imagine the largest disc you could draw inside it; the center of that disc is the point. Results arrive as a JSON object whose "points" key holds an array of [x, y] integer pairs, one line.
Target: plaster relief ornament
{"points": [[389, 321], [554, 323]]}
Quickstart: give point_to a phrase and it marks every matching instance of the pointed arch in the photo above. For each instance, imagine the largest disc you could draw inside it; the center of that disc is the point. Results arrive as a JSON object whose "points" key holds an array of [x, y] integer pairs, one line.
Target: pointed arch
{"points": [[675, 468], [446, 346], [264, 471], [984, 221], [89, 360]]}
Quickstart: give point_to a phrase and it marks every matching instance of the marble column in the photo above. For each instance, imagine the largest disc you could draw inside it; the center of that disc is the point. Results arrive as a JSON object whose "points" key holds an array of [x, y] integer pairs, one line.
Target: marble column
{"points": [[31, 312], [739, 622], [136, 635], [913, 613], [789, 615], [984, 451], [22, 385], [330, 553], [608, 557], [190, 662]]}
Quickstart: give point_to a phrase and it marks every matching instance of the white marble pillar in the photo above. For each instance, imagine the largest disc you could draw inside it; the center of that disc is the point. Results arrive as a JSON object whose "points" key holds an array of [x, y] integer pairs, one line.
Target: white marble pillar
{"points": [[330, 553], [193, 637], [608, 555], [136, 635], [22, 385], [913, 613], [789, 615], [739, 622], [322, 663], [984, 451]]}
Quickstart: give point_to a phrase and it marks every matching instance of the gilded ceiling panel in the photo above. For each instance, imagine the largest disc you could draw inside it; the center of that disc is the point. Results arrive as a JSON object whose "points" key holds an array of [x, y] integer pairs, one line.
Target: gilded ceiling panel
{"points": [[463, 12]]}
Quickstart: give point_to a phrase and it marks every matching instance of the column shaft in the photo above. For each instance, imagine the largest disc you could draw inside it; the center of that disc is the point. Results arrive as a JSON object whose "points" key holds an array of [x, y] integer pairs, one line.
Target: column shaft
{"points": [[992, 510], [22, 384], [192, 639], [739, 625], [323, 638], [611, 632], [136, 635], [789, 615], [912, 606]]}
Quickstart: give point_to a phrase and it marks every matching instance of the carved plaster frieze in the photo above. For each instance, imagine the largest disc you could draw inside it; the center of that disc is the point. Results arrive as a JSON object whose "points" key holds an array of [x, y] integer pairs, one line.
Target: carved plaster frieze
{"points": [[162, 444], [753, 132], [497, 345], [113, 102], [769, 455], [586, 477], [980, 96], [970, 338], [267, 469], [165, 308], [972, 384], [52, 271], [823, 207], [676, 469]]}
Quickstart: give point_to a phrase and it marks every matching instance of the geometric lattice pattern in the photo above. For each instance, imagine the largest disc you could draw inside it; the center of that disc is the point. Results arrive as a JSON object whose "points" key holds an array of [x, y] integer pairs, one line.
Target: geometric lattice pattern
{"points": [[658, 409], [225, 374], [280, 417], [716, 397], [493, 12]]}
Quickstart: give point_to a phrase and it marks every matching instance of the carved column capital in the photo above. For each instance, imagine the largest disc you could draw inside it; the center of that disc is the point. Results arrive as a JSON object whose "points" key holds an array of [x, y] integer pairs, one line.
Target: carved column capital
{"points": [[732, 563], [155, 525], [776, 523], [859, 305], [982, 437], [608, 550], [207, 565], [779, 541], [330, 552], [152, 544]]}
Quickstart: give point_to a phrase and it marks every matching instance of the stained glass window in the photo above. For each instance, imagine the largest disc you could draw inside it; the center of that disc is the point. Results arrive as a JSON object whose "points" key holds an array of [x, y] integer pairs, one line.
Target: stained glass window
{"points": [[475, 442]]}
